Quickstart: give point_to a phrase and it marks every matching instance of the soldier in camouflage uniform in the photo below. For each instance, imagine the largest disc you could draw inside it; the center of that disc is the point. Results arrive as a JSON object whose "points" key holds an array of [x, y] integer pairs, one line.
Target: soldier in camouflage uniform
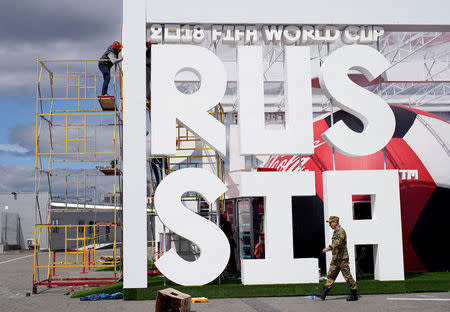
{"points": [[339, 261]]}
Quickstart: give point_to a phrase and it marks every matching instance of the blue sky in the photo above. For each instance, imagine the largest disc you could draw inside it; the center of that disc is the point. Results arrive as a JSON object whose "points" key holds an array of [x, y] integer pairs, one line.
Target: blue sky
{"points": [[50, 29], [15, 112]]}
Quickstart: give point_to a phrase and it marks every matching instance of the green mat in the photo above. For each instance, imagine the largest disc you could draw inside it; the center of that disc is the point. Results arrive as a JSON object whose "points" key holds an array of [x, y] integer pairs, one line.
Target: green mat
{"points": [[232, 288]]}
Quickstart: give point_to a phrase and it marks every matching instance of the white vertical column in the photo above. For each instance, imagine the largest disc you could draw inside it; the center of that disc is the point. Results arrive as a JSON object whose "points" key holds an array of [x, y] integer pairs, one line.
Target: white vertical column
{"points": [[134, 151]]}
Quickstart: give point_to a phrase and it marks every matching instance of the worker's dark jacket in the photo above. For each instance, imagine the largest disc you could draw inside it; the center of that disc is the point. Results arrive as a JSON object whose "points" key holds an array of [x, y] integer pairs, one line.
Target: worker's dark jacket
{"points": [[108, 62], [148, 57]]}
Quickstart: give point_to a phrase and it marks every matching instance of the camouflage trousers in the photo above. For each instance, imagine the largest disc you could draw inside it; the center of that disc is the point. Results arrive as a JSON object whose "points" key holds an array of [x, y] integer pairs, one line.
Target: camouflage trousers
{"points": [[336, 266]]}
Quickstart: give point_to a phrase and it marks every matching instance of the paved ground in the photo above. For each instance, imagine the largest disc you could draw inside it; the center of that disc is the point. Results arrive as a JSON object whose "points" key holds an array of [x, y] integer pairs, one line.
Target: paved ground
{"points": [[16, 271]]}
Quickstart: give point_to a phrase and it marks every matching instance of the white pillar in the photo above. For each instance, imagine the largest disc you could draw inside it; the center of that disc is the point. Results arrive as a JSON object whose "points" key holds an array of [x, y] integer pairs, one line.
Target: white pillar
{"points": [[134, 146]]}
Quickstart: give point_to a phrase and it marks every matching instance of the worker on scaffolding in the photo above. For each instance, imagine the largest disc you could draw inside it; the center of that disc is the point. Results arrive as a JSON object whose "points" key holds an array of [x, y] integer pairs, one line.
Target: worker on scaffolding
{"points": [[148, 60], [108, 59], [159, 165]]}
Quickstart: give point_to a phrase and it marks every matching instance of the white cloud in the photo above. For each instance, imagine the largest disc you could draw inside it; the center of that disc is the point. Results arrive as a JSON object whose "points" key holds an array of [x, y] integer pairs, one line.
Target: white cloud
{"points": [[13, 148]]}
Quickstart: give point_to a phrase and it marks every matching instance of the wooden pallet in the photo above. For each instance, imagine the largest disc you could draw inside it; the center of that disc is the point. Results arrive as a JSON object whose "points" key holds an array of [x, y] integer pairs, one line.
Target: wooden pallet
{"points": [[170, 299], [109, 170], [107, 102]]}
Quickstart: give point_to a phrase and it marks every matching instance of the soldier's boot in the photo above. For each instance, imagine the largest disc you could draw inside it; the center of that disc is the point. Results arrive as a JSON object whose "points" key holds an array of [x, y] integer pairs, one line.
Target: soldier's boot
{"points": [[323, 293], [353, 295]]}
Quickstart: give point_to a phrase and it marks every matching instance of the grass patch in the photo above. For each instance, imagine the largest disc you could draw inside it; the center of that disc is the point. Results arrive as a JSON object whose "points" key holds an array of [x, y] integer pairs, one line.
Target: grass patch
{"points": [[118, 265], [428, 275], [232, 288], [108, 268]]}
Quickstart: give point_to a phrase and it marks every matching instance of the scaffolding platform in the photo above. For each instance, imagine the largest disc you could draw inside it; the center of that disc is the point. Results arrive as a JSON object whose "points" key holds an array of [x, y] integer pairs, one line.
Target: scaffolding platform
{"points": [[107, 102], [109, 170]]}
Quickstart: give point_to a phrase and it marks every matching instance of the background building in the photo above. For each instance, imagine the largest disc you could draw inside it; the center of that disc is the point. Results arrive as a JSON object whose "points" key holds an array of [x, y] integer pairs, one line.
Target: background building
{"points": [[18, 217]]}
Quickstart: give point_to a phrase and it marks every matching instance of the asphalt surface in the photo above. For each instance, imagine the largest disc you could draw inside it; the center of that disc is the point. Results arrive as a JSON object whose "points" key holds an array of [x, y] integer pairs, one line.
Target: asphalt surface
{"points": [[16, 275]]}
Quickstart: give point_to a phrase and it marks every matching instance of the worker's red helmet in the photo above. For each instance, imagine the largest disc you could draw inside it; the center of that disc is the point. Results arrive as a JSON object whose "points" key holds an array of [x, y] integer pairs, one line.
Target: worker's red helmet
{"points": [[149, 44], [117, 45]]}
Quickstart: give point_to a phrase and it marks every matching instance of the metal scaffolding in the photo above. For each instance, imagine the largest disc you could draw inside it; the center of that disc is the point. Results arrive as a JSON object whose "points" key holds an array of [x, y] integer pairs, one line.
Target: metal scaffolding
{"points": [[78, 161], [77, 250], [76, 140]]}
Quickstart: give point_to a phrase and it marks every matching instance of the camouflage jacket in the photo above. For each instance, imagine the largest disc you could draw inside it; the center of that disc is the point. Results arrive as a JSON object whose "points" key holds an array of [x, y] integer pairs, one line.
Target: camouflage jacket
{"points": [[338, 245]]}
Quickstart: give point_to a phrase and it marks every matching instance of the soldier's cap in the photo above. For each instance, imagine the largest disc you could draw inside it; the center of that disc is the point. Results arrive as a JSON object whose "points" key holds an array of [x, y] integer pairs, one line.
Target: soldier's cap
{"points": [[333, 218]]}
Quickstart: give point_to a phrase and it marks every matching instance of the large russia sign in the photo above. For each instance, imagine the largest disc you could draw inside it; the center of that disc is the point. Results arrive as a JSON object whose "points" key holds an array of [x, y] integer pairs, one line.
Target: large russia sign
{"points": [[170, 106]]}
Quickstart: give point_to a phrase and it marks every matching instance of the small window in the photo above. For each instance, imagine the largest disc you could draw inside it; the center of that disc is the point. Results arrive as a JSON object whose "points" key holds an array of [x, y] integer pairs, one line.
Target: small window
{"points": [[362, 207], [55, 229], [81, 228], [91, 223]]}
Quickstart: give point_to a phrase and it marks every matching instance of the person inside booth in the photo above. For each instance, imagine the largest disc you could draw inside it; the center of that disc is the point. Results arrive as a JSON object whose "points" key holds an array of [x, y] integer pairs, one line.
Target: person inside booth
{"points": [[259, 248], [225, 226]]}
